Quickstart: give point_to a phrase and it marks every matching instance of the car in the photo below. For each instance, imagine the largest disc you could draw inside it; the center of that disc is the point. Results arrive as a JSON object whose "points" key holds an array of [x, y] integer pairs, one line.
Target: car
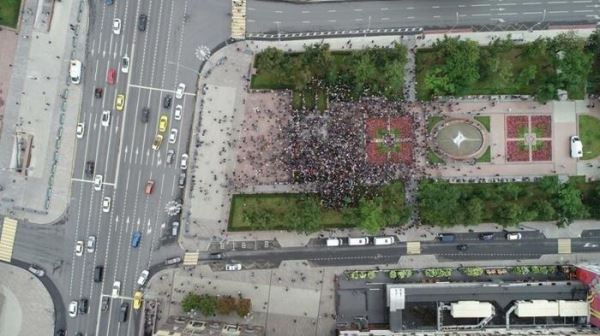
{"points": [[136, 237], [167, 101], [158, 139], [215, 256], [149, 187], [178, 109], [89, 168], [105, 303], [163, 123], [98, 92], [170, 156], [184, 161], [105, 121], [108, 2], [73, 309], [98, 273], [576, 147], [181, 180], [79, 248], [143, 277], [142, 21], [37, 270], [173, 261], [125, 64], [116, 289], [486, 236], [83, 306], [60, 332], [180, 91], [137, 300], [462, 247], [173, 136], [80, 130], [106, 204], [111, 76], [117, 26], [123, 312], [233, 267], [98, 182], [145, 115], [91, 244], [120, 102], [174, 228], [513, 236]]}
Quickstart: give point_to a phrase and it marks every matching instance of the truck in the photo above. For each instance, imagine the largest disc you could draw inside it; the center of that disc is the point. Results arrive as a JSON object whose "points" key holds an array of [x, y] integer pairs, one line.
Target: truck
{"points": [[446, 237], [75, 71], [389, 240], [334, 242], [358, 241]]}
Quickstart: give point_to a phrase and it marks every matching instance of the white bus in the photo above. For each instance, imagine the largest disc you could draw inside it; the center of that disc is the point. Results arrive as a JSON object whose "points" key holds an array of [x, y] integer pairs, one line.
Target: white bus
{"points": [[75, 72], [388, 240], [358, 241], [334, 242]]}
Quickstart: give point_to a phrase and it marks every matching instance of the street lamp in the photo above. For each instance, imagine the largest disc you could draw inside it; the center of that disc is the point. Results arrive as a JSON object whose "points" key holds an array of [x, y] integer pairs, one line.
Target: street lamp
{"points": [[543, 19], [368, 26], [278, 31]]}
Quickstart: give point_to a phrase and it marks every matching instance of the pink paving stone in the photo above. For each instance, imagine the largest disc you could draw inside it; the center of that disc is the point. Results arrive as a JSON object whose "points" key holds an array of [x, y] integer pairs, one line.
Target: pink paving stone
{"points": [[514, 124]]}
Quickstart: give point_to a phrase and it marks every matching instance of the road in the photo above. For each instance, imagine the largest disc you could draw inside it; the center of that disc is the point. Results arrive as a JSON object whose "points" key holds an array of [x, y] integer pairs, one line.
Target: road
{"points": [[284, 17]]}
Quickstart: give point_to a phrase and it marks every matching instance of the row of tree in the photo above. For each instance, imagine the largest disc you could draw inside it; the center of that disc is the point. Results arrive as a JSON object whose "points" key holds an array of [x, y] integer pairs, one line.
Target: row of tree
{"points": [[208, 305]]}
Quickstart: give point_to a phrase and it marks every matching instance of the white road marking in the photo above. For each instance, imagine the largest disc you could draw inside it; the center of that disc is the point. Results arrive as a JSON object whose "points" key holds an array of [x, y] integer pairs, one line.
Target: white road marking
{"points": [[410, 17], [410, 8], [384, 9], [331, 21], [508, 14], [582, 1], [481, 14], [331, 11], [557, 12], [435, 7], [305, 21], [305, 12], [584, 11], [251, 8], [556, 2], [481, 5], [531, 3], [278, 11], [358, 9], [532, 13], [385, 19], [358, 20]]}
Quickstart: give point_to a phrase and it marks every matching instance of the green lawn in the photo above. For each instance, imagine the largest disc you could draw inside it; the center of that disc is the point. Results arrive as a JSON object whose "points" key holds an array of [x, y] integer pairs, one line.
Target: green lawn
{"points": [[9, 12], [485, 121], [433, 158], [589, 132], [486, 157], [432, 121]]}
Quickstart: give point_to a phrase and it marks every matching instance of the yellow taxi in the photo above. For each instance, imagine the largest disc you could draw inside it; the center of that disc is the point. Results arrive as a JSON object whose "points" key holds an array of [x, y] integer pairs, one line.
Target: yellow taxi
{"points": [[120, 103], [157, 142], [163, 123], [137, 300]]}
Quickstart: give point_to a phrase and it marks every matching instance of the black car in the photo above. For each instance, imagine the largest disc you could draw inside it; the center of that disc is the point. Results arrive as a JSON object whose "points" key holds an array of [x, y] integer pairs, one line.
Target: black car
{"points": [[486, 236], [215, 256], [142, 20], [83, 306], [462, 247], [98, 92], [89, 168], [60, 332], [167, 101], [105, 302], [181, 180], [98, 273], [145, 115], [124, 311]]}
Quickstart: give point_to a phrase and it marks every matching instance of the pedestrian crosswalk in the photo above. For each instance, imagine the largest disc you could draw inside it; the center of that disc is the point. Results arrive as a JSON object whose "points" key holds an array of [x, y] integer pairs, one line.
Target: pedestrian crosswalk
{"points": [[7, 240], [191, 258], [413, 248], [238, 19], [564, 246]]}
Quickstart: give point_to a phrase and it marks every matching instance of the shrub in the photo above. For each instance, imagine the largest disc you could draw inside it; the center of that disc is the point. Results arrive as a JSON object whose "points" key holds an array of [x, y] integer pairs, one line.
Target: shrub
{"points": [[472, 271]]}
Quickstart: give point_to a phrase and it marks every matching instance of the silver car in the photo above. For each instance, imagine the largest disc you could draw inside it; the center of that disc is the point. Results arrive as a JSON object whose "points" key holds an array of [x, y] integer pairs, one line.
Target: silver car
{"points": [[91, 244]]}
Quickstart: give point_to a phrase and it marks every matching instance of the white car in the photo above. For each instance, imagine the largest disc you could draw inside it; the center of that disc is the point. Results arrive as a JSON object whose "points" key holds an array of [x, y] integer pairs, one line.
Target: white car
{"points": [[98, 182], [79, 248], [116, 288], [173, 136], [143, 277], [233, 267], [117, 26], [106, 204], [73, 309], [125, 64], [180, 91], [513, 236], [91, 244], [178, 110], [105, 118], [80, 130], [576, 147], [36, 270], [184, 161]]}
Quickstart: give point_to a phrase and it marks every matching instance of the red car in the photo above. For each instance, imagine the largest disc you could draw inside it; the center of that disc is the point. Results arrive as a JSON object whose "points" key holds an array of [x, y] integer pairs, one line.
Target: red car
{"points": [[111, 76]]}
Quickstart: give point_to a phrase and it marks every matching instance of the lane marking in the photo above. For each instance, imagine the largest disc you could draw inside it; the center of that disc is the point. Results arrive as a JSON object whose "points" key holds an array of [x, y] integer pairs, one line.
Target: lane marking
{"points": [[557, 12], [532, 13], [358, 9], [483, 14], [481, 5]]}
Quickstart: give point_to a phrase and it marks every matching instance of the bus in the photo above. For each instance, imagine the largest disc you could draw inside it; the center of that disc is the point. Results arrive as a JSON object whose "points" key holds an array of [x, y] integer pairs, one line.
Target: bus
{"points": [[75, 71]]}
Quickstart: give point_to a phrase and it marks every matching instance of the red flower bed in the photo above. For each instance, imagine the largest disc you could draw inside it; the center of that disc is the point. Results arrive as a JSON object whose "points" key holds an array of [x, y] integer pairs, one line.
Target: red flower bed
{"points": [[516, 152], [403, 125], [374, 125], [405, 155], [374, 155], [515, 126], [543, 151], [542, 125]]}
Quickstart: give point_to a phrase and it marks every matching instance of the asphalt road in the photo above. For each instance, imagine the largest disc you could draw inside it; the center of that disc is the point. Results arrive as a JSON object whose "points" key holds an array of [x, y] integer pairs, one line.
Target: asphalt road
{"points": [[285, 17]]}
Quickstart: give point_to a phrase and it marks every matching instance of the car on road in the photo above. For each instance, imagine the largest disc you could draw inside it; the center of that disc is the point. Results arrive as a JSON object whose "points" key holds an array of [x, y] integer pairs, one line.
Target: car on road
{"points": [[111, 76], [174, 228], [215, 256], [105, 303], [173, 136], [98, 92], [170, 156], [158, 139], [80, 130], [98, 182], [83, 306], [513, 236], [145, 115], [163, 123], [462, 247], [37, 270], [91, 244], [108, 2], [137, 300], [181, 181], [486, 236], [149, 187], [125, 64], [116, 288], [73, 309], [173, 261], [120, 102], [136, 237], [576, 147], [233, 267], [98, 273], [79, 248], [60, 332], [142, 21], [105, 121], [177, 115], [180, 91], [106, 204], [143, 277], [167, 101], [184, 161], [123, 312], [116, 26], [89, 168]]}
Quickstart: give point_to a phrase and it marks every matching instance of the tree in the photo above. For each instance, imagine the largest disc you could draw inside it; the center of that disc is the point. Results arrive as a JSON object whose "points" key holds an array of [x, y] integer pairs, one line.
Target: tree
{"points": [[460, 62], [508, 213], [305, 215], [317, 59], [527, 75], [207, 305], [569, 204], [301, 75], [243, 307], [474, 211], [370, 215], [395, 210], [394, 77], [546, 91], [226, 304], [439, 203], [365, 72], [190, 302], [270, 59], [545, 211], [438, 82]]}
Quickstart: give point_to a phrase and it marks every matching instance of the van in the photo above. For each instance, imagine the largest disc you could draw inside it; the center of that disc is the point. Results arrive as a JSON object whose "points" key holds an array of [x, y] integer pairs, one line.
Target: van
{"points": [[383, 240], [513, 236], [75, 71], [334, 242], [447, 237], [174, 229], [98, 273], [358, 241]]}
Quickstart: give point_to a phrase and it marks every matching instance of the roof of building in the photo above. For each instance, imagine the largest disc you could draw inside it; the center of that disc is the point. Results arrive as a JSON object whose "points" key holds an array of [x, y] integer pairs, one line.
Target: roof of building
{"points": [[471, 309], [535, 308]]}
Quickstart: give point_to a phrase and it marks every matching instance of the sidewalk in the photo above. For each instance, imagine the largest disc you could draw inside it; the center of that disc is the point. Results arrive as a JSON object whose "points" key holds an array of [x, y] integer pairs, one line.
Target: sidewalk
{"points": [[42, 106]]}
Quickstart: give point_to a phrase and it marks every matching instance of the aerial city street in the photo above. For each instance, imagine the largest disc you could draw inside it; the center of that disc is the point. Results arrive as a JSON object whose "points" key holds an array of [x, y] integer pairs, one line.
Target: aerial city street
{"points": [[299, 167]]}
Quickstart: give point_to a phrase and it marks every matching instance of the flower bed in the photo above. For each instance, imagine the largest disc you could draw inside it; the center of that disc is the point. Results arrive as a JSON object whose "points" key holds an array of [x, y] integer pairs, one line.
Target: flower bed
{"points": [[515, 151], [516, 126], [389, 144], [374, 126], [541, 125], [405, 155], [543, 151], [403, 125], [374, 155]]}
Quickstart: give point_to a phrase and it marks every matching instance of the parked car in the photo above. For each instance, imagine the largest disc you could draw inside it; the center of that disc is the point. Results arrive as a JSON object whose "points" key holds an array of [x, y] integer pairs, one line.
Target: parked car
{"points": [[513, 236], [576, 147], [80, 130], [79, 248], [91, 244], [486, 236], [233, 267], [181, 181], [73, 309], [215, 256], [116, 26], [173, 261], [143, 277], [173, 136], [136, 237], [184, 161], [142, 21], [108, 2], [174, 228], [167, 101], [462, 247], [37, 270], [180, 91], [158, 139]]}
